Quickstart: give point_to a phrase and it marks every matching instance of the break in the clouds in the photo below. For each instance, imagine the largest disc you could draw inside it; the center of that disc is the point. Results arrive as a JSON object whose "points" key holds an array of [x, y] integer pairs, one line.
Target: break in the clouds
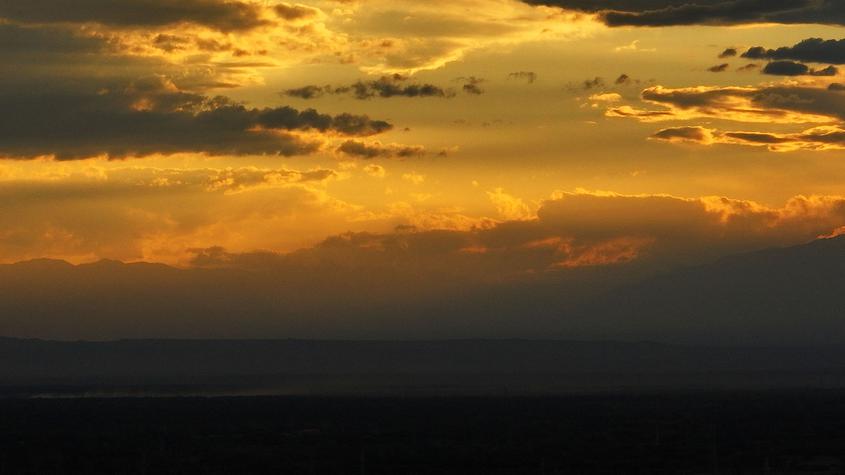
{"points": [[153, 117], [656, 13]]}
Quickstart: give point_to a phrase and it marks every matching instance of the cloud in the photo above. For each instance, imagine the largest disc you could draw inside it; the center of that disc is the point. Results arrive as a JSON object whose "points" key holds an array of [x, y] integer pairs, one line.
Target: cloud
{"points": [[634, 47], [585, 229], [358, 149], [156, 118], [528, 76], [406, 37], [510, 279], [791, 68], [695, 134], [229, 42], [414, 177], [295, 12], [606, 97], [654, 13], [510, 207], [594, 83], [771, 104], [828, 71], [565, 229], [785, 104], [110, 210], [377, 171], [728, 53], [471, 85], [813, 50], [309, 92], [786, 68], [719, 68], [822, 138], [623, 80], [385, 87], [222, 15], [525, 272]]}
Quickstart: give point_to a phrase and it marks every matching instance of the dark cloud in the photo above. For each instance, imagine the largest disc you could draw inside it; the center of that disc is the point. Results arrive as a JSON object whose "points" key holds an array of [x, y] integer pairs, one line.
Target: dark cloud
{"points": [[819, 138], [392, 86], [148, 117], [836, 86], [707, 12], [601, 83], [786, 68], [471, 85], [384, 87], [594, 83], [816, 139], [71, 58], [358, 149], [828, 71], [529, 76], [748, 67], [814, 50], [217, 14], [22, 42], [757, 137], [744, 104], [308, 92], [719, 68], [728, 53], [791, 68], [683, 134], [294, 12], [474, 89]]}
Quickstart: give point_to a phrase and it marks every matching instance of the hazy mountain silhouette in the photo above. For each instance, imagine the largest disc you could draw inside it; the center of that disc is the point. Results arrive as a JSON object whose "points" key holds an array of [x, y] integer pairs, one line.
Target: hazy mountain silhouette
{"points": [[787, 296], [791, 296]]}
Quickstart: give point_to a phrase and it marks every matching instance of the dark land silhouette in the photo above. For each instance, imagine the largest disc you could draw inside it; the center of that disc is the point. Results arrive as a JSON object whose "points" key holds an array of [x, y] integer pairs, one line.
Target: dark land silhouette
{"points": [[731, 367], [455, 367], [776, 297], [703, 433]]}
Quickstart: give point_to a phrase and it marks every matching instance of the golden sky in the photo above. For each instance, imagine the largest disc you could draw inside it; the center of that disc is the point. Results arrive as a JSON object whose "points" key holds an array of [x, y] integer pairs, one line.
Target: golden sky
{"points": [[541, 135]]}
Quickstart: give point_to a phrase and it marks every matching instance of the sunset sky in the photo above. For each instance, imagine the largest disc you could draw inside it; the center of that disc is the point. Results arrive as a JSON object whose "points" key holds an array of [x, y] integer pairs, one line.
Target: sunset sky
{"points": [[490, 140]]}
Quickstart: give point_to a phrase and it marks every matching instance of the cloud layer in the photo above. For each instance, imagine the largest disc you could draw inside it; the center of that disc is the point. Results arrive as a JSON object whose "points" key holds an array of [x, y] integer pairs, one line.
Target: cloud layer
{"points": [[655, 13], [152, 116]]}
